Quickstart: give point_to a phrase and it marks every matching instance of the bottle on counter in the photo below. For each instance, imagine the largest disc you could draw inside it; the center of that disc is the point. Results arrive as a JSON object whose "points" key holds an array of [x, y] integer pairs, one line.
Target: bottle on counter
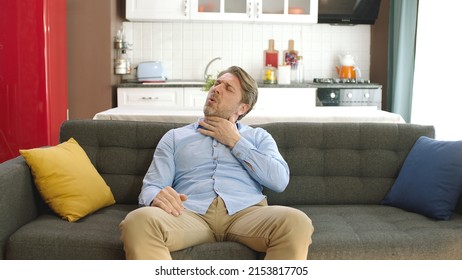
{"points": [[271, 55], [290, 55], [300, 73], [122, 64], [291, 58]]}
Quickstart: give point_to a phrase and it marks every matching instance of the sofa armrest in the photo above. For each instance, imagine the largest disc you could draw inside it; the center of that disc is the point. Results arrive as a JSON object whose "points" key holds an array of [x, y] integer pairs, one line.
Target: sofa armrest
{"points": [[18, 203]]}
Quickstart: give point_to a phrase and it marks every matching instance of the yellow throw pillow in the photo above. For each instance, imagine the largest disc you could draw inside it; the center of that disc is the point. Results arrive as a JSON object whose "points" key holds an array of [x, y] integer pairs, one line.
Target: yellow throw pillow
{"points": [[67, 180]]}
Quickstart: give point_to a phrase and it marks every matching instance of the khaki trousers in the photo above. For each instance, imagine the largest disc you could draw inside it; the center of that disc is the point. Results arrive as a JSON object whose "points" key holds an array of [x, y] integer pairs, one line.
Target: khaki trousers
{"points": [[282, 232]]}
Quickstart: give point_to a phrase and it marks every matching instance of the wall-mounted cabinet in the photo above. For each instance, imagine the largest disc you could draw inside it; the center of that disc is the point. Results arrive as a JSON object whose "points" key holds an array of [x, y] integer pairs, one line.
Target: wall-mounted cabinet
{"points": [[152, 10], [300, 11], [236, 10]]}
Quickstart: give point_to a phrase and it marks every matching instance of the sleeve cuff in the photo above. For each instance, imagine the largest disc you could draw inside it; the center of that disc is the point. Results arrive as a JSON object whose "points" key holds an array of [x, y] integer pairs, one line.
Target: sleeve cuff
{"points": [[242, 148]]}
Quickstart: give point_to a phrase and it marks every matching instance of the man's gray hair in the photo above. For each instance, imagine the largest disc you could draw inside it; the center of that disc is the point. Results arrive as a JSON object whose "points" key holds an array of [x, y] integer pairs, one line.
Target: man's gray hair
{"points": [[248, 84]]}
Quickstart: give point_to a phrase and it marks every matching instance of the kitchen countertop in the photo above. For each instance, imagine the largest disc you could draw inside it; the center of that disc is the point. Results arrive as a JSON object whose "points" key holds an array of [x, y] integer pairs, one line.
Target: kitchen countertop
{"points": [[200, 83]]}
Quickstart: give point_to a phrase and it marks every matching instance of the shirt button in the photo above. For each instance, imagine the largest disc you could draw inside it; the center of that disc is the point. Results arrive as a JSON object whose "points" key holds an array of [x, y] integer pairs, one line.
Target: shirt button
{"points": [[238, 154]]}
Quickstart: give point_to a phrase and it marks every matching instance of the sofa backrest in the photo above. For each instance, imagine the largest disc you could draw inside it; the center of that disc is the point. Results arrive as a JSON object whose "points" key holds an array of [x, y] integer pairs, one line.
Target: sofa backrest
{"points": [[121, 151], [330, 163], [342, 163]]}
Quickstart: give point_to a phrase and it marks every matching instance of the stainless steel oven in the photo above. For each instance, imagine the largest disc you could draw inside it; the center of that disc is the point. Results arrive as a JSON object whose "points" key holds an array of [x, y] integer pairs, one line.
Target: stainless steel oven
{"points": [[349, 97], [348, 92]]}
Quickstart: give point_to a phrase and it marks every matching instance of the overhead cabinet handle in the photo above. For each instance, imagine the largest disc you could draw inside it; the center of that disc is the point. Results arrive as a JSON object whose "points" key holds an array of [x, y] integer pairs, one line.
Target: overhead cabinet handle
{"points": [[249, 13], [258, 9]]}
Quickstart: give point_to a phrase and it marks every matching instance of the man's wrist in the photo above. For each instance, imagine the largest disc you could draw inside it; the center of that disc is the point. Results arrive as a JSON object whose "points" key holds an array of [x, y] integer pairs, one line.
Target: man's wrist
{"points": [[234, 142]]}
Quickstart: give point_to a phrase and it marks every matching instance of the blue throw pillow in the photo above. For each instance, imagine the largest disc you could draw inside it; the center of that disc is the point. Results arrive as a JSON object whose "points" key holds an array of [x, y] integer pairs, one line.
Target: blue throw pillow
{"points": [[430, 181]]}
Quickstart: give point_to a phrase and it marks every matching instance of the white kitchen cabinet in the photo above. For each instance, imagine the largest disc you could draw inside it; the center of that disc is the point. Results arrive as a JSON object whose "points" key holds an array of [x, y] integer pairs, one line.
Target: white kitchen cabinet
{"points": [[194, 98], [300, 11], [282, 100], [151, 10], [269, 99], [235, 10], [287, 100], [152, 97]]}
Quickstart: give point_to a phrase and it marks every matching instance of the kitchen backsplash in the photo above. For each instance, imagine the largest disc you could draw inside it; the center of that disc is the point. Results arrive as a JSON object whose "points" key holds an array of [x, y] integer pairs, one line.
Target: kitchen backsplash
{"points": [[186, 48]]}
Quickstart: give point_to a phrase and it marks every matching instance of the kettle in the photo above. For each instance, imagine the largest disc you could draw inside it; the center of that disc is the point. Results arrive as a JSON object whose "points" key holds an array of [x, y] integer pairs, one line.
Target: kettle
{"points": [[347, 70]]}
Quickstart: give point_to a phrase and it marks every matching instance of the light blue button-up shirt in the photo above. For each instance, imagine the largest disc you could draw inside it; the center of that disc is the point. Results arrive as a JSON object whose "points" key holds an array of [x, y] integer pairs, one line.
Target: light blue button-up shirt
{"points": [[202, 168]]}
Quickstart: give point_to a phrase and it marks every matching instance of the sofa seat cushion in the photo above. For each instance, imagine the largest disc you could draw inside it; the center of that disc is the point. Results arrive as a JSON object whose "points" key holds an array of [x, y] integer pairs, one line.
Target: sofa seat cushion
{"points": [[217, 251], [96, 237], [341, 232], [49, 237], [381, 232]]}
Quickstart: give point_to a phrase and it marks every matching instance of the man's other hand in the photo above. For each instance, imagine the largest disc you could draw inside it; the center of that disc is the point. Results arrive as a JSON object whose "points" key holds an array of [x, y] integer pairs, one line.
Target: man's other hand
{"points": [[170, 201]]}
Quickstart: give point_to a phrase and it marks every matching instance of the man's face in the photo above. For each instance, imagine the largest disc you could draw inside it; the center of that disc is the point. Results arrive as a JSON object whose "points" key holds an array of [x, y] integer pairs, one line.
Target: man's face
{"points": [[224, 98]]}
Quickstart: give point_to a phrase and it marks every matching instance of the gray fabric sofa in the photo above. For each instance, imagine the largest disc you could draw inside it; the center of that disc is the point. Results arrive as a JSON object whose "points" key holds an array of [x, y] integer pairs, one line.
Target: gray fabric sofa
{"points": [[340, 172]]}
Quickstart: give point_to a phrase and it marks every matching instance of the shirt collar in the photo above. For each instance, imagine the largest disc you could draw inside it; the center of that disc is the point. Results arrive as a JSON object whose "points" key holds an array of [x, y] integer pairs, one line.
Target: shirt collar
{"points": [[196, 125]]}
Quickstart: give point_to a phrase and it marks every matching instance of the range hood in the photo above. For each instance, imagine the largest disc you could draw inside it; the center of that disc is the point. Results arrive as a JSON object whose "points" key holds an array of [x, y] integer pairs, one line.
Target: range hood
{"points": [[348, 11]]}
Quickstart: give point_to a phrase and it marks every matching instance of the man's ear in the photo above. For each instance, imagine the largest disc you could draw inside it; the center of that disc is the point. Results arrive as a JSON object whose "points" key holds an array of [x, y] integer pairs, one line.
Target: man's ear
{"points": [[243, 108]]}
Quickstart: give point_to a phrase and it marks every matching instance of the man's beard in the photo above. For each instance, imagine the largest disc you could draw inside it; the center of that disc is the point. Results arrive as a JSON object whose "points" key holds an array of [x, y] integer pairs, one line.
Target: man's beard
{"points": [[212, 111]]}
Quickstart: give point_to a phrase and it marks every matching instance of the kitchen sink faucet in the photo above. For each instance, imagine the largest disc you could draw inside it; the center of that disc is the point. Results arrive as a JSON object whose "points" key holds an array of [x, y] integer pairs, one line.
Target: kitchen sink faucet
{"points": [[207, 67]]}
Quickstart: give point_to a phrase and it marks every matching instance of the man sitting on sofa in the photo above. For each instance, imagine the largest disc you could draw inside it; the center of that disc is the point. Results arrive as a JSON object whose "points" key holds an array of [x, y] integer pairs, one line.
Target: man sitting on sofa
{"points": [[205, 184]]}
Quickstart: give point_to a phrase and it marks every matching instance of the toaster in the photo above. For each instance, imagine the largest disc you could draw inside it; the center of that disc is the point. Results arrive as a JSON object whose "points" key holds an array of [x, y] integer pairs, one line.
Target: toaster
{"points": [[151, 71]]}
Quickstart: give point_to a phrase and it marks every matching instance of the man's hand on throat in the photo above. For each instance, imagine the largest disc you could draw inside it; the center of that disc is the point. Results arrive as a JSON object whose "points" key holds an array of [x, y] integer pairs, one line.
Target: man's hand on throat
{"points": [[224, 131]]}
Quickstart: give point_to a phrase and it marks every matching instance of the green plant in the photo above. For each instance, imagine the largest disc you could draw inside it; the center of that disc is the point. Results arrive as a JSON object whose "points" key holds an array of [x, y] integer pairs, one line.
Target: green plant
{"points": [[209, 81]]}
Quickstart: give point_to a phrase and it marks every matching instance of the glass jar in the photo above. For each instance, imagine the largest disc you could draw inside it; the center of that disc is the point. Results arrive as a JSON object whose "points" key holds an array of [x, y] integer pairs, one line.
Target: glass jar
{"points": [[270, 76]]}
